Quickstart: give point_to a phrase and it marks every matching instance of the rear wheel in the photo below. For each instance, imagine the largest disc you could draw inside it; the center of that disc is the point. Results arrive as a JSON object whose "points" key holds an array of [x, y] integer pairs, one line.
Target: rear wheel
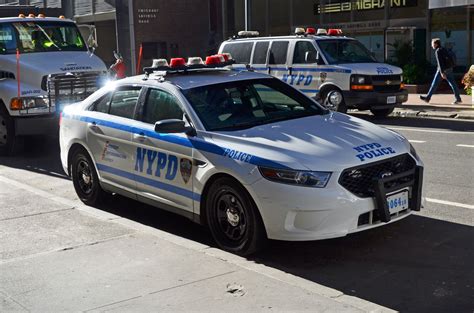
{"points": [[85, 179], [233, 218], [382, 112], [334, 100]]}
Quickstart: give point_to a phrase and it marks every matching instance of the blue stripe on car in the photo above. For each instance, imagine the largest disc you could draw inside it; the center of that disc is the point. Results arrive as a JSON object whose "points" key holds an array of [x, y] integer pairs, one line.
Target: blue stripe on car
{"points": [[150, 182]]}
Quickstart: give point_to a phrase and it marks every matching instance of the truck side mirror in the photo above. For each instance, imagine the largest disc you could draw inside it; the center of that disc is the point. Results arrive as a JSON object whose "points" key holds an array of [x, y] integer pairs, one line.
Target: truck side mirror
{"points": [[310, 57]]}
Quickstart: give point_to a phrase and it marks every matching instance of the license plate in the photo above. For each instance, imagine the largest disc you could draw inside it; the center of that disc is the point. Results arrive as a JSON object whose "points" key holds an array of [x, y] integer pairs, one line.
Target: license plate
{"points": [[397, 202], [392, 99]]}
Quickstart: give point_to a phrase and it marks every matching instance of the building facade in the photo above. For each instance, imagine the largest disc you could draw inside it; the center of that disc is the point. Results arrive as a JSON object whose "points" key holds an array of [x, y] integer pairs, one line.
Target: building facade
{"points": [[145, 29]]}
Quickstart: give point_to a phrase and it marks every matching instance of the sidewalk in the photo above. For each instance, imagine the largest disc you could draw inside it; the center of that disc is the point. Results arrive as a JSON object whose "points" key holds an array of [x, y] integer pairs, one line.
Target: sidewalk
{"points": [[439, 107], [58, 255]]}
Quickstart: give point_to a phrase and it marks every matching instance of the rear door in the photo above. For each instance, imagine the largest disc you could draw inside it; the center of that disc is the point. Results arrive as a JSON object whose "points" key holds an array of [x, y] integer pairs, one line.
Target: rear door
{"points": [[277, 59], [163, 162], [109, 136]]}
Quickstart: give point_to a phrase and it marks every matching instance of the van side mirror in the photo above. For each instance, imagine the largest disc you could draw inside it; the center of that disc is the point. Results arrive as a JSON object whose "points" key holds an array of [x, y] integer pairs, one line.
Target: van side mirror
{"points": [[172, 126], [310, 57], [319, 59]]}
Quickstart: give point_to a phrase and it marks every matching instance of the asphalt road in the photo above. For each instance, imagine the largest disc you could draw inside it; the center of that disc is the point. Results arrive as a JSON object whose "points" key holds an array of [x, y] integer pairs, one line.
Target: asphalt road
{"points": [[423, 263]]}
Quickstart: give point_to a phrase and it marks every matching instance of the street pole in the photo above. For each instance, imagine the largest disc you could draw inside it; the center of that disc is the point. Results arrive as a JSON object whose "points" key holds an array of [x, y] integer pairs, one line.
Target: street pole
{"points": [[247, 14]]}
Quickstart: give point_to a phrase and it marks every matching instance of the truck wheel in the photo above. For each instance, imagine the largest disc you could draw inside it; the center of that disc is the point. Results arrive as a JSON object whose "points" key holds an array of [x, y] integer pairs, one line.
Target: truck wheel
{"points": [[9, 143], [85, 179], [233, 218], [334, 100], [382, 112]]}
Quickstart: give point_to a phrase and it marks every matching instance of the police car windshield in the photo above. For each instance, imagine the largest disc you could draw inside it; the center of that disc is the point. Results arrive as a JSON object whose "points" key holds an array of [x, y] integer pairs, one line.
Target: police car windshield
{"points": [[38, 36], [245, 104], [345, 51]]}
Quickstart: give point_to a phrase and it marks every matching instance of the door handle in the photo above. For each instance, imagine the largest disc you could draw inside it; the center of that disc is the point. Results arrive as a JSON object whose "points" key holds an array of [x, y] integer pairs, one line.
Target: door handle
{"points": [[93, 126], [140, 136]]}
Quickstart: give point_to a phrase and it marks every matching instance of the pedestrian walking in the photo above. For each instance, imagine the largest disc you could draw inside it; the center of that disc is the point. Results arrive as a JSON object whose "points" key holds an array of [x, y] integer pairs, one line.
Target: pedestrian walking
{"points": [[118, 68], [445, 64]]}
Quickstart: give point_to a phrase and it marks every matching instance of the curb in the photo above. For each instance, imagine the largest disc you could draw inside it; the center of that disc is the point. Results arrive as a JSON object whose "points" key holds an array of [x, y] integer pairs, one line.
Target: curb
{"points": [[433, 114]]}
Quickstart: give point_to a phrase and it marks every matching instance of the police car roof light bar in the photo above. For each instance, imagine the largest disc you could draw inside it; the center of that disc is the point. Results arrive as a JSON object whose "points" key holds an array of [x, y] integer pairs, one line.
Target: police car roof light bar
{"points": [[213, 63], [310, 31], [321, 31], [334, 32], [177, 62]]}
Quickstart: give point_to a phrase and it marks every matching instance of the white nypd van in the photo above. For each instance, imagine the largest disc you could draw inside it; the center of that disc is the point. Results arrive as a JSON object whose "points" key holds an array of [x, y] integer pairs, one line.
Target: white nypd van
{"points": [[243, 153], [44, 65], [327, 66]]}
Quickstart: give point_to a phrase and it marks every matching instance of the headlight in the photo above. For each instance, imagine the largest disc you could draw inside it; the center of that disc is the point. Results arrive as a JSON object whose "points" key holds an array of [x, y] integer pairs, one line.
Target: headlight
{"points": [[413, 152], [28, 103], [302, 178], [361, 80]]}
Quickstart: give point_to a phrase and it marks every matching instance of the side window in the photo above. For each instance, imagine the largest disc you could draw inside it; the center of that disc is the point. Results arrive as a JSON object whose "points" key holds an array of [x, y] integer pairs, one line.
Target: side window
{"points": [[260, 52], [161, 105], [102, 105], [7, 39], [123, 102], [300, 51], [278, 52], [240, 51]]}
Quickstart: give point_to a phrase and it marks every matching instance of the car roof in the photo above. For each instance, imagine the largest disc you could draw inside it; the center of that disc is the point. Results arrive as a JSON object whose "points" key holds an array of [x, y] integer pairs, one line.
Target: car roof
{"points": [[312, 37], [192, 79]]}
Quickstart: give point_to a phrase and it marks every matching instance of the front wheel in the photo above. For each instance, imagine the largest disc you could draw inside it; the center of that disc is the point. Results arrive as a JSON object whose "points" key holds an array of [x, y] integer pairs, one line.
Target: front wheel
{"points": [[233, 218], [85, 179], [334, 100], [10, 144], [382, 112]]}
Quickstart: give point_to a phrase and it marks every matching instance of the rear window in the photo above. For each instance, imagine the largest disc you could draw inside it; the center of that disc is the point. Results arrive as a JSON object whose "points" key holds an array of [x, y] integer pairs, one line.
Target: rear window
{"points": [[278, 52], [240, 51]]}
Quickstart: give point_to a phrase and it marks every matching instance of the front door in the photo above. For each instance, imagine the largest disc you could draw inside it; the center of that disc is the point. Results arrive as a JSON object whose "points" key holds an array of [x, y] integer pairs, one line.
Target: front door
{"points": [[163, 162]]}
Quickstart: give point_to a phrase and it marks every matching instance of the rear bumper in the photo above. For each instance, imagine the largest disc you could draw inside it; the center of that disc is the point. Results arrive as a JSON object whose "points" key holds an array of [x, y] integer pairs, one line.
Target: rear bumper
{"points": [[365, 100], [37, 125]]}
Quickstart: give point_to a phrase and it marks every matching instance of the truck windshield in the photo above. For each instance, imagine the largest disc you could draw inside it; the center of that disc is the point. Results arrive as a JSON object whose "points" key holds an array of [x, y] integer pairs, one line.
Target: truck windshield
{"points": [[345, 51], [245, 104], [36, 36]]}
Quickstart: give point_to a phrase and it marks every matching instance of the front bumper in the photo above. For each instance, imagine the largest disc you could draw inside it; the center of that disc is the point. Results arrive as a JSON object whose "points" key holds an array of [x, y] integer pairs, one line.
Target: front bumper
{"points": [[365, 100], [36, 125], [297, 213]]}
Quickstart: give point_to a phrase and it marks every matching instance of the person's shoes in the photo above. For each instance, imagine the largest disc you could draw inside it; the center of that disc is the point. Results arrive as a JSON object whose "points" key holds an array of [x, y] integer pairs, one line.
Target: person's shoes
{"points": [[456, 102], [424, 98]]}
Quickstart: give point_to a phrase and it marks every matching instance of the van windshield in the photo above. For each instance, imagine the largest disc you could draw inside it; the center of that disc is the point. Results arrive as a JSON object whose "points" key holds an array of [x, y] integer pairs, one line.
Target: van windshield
{"points": [[38, 36], [345, 51]]}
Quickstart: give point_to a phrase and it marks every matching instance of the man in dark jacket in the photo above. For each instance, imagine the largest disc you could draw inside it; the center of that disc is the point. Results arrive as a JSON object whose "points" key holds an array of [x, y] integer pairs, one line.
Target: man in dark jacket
{"points": [[444, 71]]}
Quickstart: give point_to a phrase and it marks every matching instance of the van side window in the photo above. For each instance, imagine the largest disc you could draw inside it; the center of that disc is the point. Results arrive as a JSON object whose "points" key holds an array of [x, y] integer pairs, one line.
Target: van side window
{"points": [[300, 51], [260, 52], [239, 51], [278, 52]]}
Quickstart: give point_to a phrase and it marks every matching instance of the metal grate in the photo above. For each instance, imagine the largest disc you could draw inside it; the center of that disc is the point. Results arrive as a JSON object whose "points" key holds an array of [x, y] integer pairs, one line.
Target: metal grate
{"points": [[360, 180], [386, 83], [68, 88]]}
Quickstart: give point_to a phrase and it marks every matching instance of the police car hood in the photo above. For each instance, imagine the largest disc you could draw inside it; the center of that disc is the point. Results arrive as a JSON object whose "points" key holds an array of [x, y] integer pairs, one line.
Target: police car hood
{"points": [[373, 69], [328, 143]]}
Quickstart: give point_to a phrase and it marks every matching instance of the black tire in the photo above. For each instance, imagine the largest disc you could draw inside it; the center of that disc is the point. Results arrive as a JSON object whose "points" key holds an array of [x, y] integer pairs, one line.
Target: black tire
{"points": [[334, 93], [382, 112], [85, 179], [233, 218], [10, 144]]}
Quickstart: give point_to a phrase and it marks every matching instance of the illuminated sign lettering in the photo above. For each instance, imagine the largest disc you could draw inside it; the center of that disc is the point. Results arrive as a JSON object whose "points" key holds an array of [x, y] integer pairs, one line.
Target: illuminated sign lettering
{"points": [[359, 5]]}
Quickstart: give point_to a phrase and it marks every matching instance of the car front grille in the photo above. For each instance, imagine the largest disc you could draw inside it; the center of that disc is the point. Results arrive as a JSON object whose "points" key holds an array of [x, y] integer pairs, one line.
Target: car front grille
{"points": [[361, 180], [68, 88], [386, 83]]}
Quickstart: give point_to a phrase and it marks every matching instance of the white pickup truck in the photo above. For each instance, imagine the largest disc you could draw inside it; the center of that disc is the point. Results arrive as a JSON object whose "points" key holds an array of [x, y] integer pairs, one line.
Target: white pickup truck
{"points": [[45, 64]]}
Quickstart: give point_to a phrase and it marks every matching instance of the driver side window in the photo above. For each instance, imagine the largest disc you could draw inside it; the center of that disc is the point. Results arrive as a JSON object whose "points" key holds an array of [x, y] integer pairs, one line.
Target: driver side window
{"points": [[160, 105]]}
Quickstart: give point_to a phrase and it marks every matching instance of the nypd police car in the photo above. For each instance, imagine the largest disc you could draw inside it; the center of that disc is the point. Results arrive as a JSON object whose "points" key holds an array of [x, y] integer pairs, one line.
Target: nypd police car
{"points": [[325, 65], [243, 153]]}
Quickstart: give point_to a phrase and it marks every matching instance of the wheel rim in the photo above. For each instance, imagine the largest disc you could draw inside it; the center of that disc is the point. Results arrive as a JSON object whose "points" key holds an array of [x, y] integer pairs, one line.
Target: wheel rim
{"points": [[3, 131], [333, 100], [84, 177], [231, 216]]}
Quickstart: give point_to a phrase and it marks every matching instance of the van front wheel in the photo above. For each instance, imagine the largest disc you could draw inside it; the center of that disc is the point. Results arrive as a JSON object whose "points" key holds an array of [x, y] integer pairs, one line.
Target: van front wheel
{"points": [[334, 100]]}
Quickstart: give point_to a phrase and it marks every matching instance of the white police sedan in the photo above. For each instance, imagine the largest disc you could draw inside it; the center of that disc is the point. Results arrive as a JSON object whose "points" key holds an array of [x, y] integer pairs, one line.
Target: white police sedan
{"points": [[241, 152]]}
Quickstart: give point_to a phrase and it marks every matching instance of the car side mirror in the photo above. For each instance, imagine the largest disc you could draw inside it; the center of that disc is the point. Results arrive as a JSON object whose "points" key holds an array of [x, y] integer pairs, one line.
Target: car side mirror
{"points": [[172, 126], [310, 57]]}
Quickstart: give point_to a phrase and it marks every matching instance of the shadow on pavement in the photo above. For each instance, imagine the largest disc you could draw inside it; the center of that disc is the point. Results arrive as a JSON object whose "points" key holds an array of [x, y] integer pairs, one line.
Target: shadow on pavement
{"points": [[416, 122]]}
